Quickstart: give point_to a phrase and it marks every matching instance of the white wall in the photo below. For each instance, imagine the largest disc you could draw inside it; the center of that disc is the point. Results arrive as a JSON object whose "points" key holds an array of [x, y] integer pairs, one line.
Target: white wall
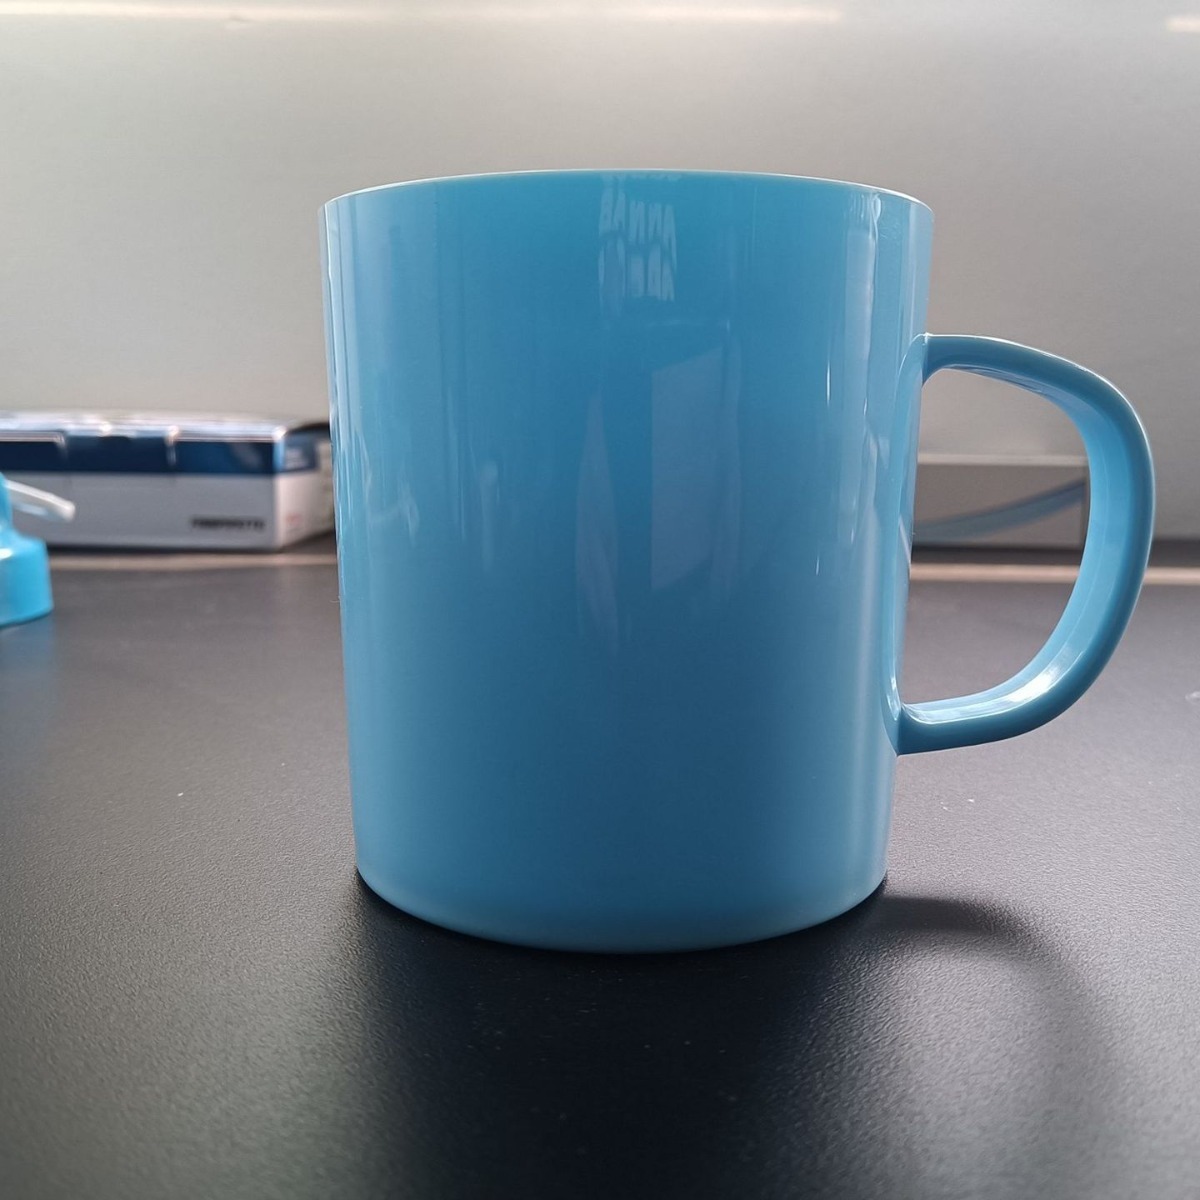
{"points": [[161, 167]]}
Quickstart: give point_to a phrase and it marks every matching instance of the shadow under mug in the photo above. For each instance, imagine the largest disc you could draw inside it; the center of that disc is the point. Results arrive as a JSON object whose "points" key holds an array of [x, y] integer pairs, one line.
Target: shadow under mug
{"points": [[916, 1047], [624, 469]]}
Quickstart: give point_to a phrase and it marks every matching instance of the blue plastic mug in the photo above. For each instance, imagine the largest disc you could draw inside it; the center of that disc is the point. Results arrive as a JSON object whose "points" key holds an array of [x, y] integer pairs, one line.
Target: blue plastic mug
{"points": [[624, 468]]}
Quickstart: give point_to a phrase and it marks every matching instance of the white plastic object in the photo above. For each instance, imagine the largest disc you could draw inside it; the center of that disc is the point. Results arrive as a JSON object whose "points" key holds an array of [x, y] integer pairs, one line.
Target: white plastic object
{"points": [[33, 502]]}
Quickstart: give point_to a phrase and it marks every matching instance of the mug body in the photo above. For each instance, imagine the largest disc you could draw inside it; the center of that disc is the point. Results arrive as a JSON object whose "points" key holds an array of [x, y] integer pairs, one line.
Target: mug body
{"points": [[624, 467]]}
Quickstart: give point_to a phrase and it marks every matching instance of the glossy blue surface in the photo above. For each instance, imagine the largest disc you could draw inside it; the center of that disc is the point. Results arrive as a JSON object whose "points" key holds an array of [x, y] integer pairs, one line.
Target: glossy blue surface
{"points": [[1120, 528], [624, 468], [24, 570]]}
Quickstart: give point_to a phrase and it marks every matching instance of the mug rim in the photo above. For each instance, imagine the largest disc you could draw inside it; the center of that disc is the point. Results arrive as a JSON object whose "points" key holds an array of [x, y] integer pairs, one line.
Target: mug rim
{"points": [[602, 172]]}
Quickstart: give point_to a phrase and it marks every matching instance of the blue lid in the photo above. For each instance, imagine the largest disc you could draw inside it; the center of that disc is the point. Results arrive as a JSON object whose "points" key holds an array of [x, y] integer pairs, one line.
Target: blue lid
{"points": [[24, 565], [164, 444]]}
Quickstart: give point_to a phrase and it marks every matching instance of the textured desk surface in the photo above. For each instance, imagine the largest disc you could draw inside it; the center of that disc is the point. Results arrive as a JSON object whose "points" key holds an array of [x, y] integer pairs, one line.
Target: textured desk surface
{"points": [[199, 999]]}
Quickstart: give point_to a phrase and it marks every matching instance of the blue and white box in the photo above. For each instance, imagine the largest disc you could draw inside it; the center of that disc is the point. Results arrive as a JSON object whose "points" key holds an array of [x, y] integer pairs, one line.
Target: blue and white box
{"points": [[175, 482]]}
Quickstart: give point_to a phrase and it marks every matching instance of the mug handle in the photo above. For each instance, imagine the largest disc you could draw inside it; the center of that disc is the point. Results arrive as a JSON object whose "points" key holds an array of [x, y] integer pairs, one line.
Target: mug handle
{"points": [[1120, 526]]}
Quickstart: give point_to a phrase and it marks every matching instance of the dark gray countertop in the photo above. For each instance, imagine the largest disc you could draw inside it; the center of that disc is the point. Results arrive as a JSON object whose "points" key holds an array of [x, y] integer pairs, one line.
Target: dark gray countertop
{"points": [[199, 999]]}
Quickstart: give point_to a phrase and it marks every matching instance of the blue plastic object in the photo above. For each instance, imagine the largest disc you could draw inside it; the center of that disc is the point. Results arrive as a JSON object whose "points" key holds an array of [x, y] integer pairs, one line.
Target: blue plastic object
{"points": [[624, 467], [1120, 527], [24, 566]]}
